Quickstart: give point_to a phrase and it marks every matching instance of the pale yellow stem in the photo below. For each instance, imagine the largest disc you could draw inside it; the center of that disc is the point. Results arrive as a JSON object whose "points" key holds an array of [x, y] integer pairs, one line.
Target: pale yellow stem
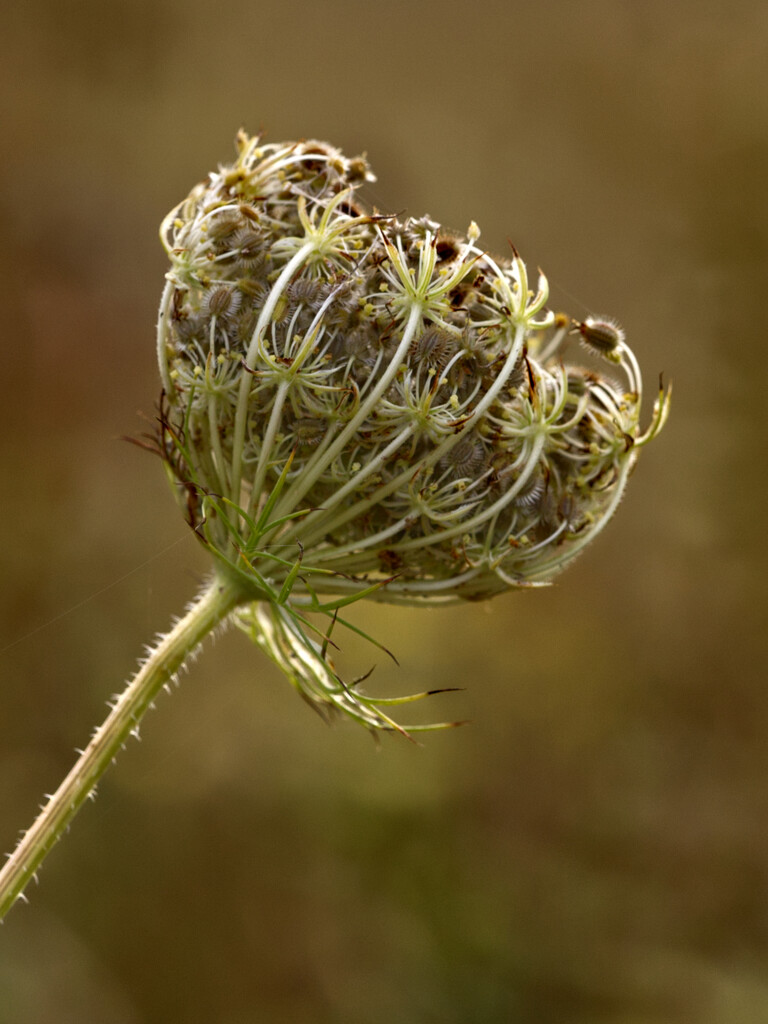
{"points": [[209, 610]]}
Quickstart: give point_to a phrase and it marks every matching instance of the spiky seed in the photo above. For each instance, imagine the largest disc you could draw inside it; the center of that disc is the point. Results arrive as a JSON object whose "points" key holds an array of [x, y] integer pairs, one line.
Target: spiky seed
{"points": [[222, 302], [466, 459], [223, 223], [307, 291], [530, 497], [602, 336], [447, 248], [434, 347], [309, 431], [249, 245]]}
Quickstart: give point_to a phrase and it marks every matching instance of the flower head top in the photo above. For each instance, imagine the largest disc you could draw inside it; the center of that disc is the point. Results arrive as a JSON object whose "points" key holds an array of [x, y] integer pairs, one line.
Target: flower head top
{"points": [[356, 405]]}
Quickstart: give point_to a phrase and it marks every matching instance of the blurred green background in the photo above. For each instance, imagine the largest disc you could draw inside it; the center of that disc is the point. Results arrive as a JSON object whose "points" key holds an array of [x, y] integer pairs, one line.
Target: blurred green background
{"points": [[593, 847]]}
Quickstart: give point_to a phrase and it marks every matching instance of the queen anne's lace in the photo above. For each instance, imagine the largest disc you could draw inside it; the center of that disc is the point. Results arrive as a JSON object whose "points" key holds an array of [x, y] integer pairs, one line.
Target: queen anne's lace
{"points": [[356, 405]]}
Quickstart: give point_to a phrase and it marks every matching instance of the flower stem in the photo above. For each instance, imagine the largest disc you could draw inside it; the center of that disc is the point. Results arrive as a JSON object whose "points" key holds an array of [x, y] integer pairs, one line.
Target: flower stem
{"points": [[211, 608]]}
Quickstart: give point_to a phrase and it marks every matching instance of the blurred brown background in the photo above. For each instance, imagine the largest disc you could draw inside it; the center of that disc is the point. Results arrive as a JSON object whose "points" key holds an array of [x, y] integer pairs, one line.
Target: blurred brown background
{"points": [[593, 847]]}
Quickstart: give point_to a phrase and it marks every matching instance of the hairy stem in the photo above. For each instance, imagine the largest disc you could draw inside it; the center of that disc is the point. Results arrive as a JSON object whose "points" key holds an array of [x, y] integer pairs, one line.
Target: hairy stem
{"points": [[211, 608]]}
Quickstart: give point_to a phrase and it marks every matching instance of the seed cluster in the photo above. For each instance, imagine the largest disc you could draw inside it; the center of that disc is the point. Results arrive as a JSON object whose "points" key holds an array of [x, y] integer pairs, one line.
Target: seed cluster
{"points": [[410, 384], [377, 401]]}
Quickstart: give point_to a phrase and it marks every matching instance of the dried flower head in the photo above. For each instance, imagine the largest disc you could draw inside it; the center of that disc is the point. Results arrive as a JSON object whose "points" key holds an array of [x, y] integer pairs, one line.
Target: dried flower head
{"points": [[356, 406], [360, 406]]}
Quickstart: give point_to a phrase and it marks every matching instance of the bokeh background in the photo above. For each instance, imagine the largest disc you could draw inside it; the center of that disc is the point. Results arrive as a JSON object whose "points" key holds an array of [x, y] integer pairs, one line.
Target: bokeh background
{"points": [[593, 847]]}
